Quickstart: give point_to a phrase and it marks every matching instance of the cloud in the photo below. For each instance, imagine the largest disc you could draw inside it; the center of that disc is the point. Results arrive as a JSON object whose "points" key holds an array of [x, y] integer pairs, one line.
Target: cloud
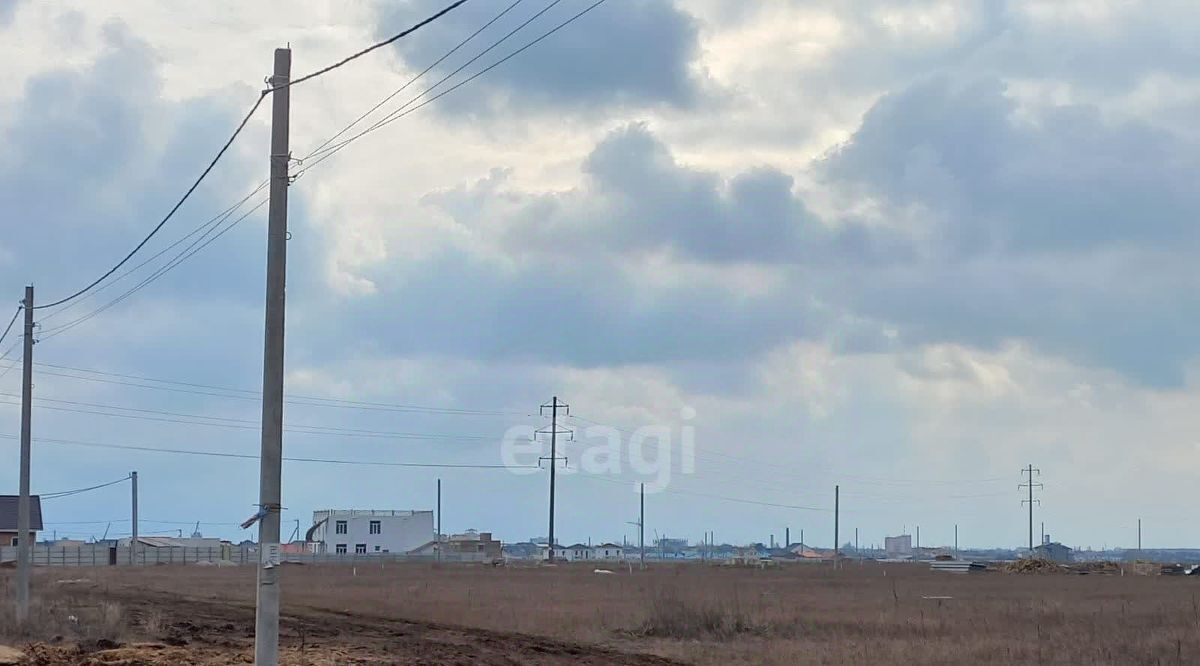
{"points": [[8, 9], [637, 198], [632, 53], [1065, 180], [1036, 229]]}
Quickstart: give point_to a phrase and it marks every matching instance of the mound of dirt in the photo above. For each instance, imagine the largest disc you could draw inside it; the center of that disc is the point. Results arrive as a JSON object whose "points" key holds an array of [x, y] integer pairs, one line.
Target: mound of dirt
{"points": [[1034, 566]]}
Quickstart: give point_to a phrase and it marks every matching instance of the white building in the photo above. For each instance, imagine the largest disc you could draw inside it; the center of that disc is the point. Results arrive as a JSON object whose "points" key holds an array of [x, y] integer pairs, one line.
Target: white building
{"points": [[608, 551], [366, 531], [898, 547]]}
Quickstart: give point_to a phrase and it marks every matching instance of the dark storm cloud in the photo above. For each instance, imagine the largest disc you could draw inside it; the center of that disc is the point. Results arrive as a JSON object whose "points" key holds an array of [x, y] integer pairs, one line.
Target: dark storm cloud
{"points": [[633, 52], [1068, 232], [1070, 180], [93, 159], [637, 197], [581, 313]]}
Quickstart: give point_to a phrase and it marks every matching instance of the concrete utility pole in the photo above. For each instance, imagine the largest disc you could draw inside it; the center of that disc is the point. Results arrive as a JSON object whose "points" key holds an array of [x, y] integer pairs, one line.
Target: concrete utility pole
{"points": [[439, 522], [266, 620], [1031, 485], [787, 537], [24, 543], [1139, 538], [956, 541], [133, 544], [554, 432], [642, 527], [836, 515]]}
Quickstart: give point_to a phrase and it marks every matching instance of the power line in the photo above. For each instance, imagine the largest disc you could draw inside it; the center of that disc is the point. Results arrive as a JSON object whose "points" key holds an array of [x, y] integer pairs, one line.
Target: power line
{"points": [[213, 163], [249, 456], [228, 422], [414, 79], [15, 362], [171, 213], [337, 147], [68, 493], [857, 479], [248, 394], [214, 221], [183, 256], [10, 323], [389, 40], [671, 491], [440, 81]]}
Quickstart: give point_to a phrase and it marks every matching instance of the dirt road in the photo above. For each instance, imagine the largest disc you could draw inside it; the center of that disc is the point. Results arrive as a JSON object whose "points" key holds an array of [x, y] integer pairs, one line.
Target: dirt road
{"points": [[188, 629]]}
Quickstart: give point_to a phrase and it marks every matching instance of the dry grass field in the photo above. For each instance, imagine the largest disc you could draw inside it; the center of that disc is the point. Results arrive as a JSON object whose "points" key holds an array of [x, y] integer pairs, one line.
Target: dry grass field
{"points": [[798, 614]]}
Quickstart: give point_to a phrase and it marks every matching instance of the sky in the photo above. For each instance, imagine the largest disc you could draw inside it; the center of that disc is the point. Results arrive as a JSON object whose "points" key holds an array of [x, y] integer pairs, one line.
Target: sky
{"points": [[907, 248]]}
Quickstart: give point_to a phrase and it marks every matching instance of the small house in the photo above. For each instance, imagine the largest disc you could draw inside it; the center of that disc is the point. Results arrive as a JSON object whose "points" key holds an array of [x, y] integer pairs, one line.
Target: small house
{"points": [[8, 519]]}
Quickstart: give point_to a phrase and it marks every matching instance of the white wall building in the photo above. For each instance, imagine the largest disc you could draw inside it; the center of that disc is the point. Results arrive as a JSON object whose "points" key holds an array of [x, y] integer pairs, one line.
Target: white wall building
{"points": [[898, 547], [608, 551], [366, 531]]}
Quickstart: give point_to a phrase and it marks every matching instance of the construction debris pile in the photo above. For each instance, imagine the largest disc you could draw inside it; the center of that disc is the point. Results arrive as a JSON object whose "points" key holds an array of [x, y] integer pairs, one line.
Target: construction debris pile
{"points": [[1139, 568], [1034, 566]]}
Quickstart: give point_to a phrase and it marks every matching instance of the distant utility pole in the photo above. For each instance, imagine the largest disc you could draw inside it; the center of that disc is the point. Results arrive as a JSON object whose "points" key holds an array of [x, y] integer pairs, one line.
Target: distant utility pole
{"points": [[553, 406], [836, 515], [956, 541], [787, 537], [439, 520], [1030, 471], [642, 527], [1139, 538], [266, 618], [24, 543], [133, 544], [856, 550]]}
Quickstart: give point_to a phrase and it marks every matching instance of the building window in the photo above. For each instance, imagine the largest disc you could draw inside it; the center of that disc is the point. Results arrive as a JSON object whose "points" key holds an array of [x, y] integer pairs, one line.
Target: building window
{"points": [[339, 527], [340, 549], [360, 548], [14, 541], [377, 549], [376, 527]]}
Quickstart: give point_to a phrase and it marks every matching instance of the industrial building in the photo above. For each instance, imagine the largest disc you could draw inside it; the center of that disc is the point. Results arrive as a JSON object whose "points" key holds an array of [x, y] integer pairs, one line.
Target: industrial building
{"points": [[8, 519], [1053, 551], [365, 531], [898, 547]]}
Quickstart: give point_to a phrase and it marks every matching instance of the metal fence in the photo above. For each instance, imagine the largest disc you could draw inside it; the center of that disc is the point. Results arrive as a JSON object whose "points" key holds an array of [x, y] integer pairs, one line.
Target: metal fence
{"points": [[99, 556]]}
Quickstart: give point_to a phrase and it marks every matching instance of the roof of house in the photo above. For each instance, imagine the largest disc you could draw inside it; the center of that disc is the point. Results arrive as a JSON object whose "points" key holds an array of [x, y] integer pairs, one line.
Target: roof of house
{"points": [[608, 545], [8, 513], [578, 546]]}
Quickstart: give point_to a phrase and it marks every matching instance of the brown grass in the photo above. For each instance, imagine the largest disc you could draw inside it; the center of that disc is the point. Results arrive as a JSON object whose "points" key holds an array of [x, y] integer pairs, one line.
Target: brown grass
{"points": [[801, 614]]}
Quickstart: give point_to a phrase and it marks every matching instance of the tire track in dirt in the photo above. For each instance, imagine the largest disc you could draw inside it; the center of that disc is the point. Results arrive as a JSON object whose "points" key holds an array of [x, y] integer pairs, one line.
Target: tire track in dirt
{"points": [[308, 634]]}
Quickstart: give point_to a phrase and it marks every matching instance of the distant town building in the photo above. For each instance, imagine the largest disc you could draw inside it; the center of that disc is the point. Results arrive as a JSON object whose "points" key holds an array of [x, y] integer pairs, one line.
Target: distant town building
{"points": [[525, 550], [8, 519], [898, 547], [472, 541], [608, 551], [171, 542], [366, 531], [1053, 551]]}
